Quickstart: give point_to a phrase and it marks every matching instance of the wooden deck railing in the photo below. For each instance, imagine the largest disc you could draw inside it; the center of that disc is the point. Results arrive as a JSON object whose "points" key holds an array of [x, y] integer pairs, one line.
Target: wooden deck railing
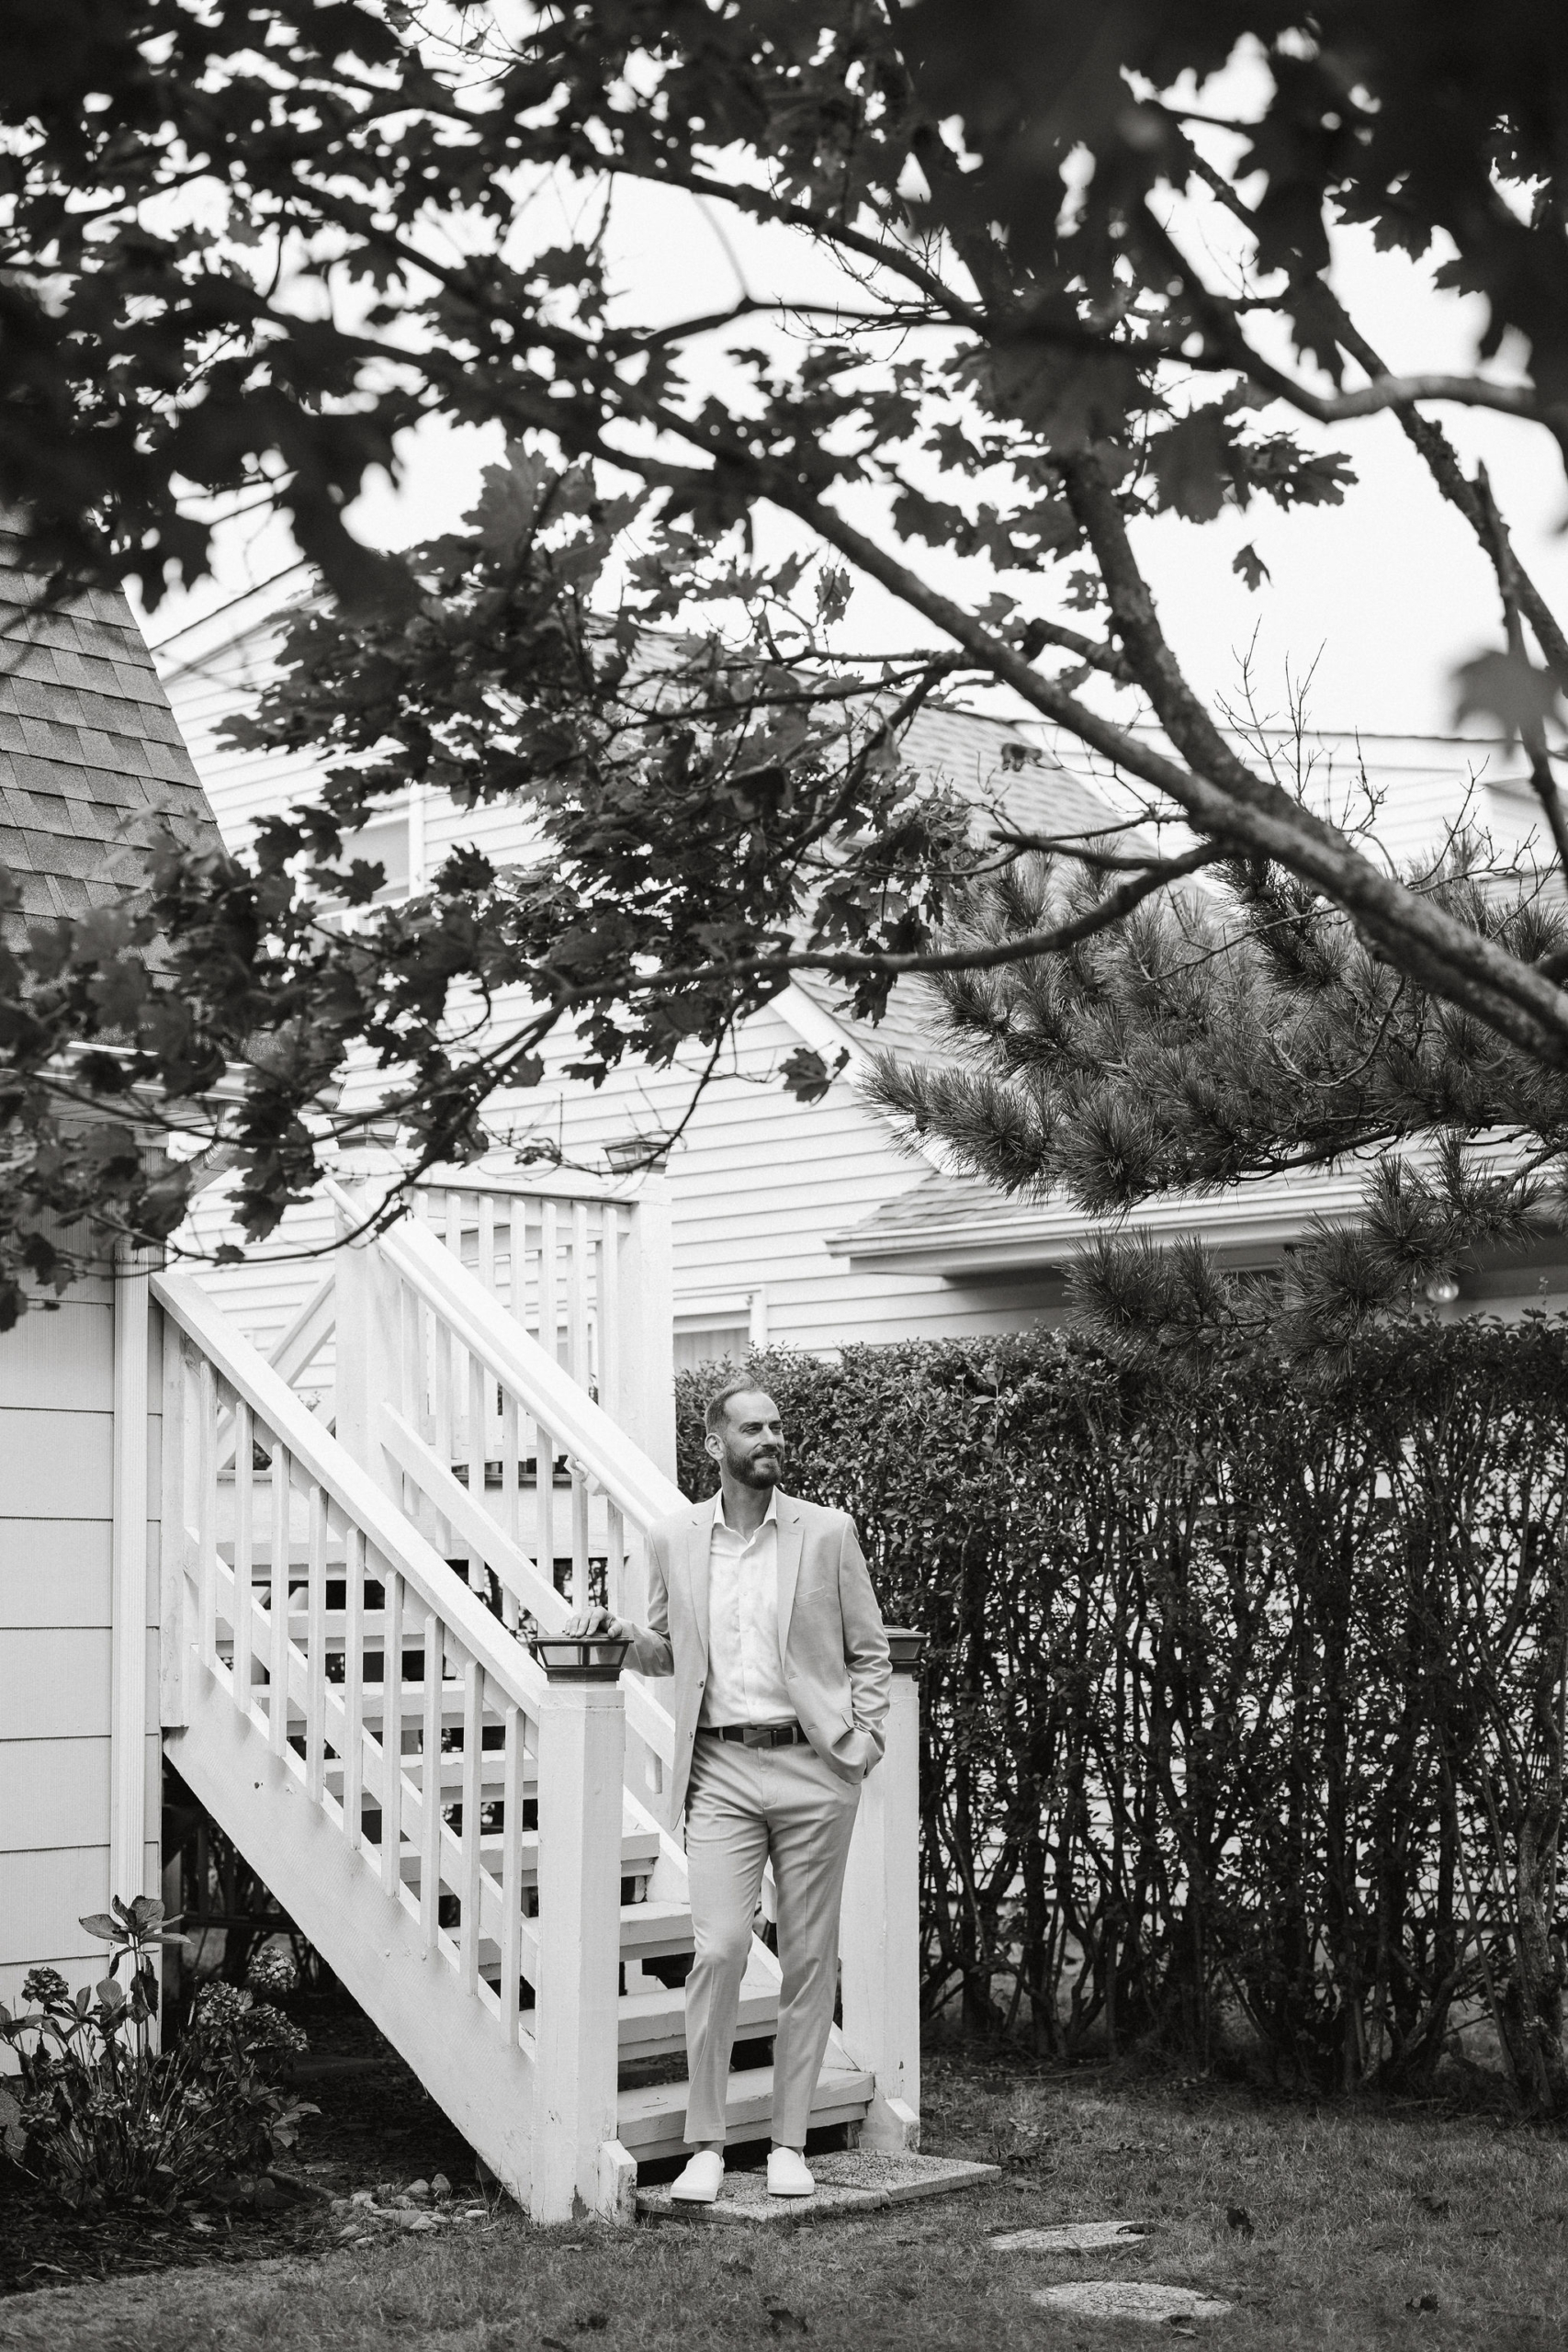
{"points": [[426, 1358], [587, 1275], [370, 1673]]}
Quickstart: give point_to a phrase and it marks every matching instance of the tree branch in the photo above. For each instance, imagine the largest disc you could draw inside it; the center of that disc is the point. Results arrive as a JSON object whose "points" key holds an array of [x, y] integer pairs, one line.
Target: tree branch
{"points": [[1426, 435], [1532, 732]]}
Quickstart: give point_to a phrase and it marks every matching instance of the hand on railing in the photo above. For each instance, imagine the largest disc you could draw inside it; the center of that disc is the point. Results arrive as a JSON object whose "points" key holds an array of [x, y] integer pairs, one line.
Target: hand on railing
{"points": [[592, 1625]]}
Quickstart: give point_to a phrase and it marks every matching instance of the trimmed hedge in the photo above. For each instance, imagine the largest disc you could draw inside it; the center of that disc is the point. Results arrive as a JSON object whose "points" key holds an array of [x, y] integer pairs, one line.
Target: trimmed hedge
{"points": [[1241, 1695]]}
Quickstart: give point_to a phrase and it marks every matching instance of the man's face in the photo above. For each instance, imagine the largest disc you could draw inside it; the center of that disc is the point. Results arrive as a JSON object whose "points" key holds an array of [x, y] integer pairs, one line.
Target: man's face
{"points": [[751, 1445]]}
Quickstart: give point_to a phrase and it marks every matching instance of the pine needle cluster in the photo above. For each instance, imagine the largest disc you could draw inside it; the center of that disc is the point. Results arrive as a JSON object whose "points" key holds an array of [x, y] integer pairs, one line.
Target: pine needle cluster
{"points": [[1239, 1030]]}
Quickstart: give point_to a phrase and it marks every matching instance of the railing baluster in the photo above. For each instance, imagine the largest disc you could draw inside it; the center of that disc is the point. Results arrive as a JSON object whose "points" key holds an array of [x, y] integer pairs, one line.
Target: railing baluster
{"points": [[392, 1740], [579, 1593], [518, 1261], [354, 1691], [454, 1223], [422, 1395], [608, 1295], [207, 1511], [277, 1695], [244, 1548], [614, 1559], [473, 1776], [414, 1384], [479, 1397], [544, 1500], [316, 1663], [487, 1241], [549, 1326], [441, 1385], [430, 1786], [509, 1453], [577, 1298], [511, 1877]]}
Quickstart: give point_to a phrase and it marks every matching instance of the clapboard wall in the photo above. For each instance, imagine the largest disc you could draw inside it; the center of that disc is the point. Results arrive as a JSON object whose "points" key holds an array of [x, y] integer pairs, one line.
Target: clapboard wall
{"points": [[758, 1184], [57, 1397]]}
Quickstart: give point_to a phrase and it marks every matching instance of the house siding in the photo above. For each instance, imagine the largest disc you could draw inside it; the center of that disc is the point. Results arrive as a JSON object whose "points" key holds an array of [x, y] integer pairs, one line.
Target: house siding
{"points": [[758, 1180], [56, 1554]]}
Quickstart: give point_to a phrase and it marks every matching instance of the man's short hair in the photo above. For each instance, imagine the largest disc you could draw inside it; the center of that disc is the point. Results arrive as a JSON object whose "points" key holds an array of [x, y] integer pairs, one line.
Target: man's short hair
{"points": [[718, 1402]]}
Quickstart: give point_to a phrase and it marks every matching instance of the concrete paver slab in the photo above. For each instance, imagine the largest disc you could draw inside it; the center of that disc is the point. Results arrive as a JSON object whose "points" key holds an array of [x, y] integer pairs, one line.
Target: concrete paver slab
{"points": [[857, 2181]]}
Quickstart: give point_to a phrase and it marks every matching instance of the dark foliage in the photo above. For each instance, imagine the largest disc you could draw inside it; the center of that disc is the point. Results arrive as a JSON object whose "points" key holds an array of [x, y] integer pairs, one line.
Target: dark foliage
{"points": [[103, 2118], [247, 240], [1243, 1700]]}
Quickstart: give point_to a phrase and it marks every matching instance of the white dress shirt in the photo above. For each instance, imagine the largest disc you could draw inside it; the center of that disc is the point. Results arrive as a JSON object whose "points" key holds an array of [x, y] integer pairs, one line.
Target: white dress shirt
{"points": [[745, 1678]]}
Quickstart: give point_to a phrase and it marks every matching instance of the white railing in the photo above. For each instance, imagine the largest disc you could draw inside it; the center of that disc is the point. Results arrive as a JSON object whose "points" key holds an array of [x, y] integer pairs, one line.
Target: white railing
{"points": [[393, 1699], [358, 1698], [548, 1509], [586, 1274]]}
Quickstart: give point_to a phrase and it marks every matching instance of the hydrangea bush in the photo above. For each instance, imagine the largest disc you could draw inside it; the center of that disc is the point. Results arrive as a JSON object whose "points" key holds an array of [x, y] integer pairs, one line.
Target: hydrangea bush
{"points": [[104, 2118]]}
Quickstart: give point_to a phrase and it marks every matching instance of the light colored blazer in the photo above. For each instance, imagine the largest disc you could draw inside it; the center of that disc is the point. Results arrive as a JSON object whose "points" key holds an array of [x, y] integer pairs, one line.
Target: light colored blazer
{"points": [[836, 1663]]}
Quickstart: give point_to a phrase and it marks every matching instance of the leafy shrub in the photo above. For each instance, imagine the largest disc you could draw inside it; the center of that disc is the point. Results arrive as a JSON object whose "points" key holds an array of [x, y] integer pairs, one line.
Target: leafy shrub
{"points": [[1242, 1696], [104, 2118]]}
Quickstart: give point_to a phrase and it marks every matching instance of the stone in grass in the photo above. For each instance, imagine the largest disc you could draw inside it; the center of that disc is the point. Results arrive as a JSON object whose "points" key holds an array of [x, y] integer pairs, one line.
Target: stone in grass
{"points": [[417, 2192], [440, 2186], [1072, 2237], [1132, 2299]]}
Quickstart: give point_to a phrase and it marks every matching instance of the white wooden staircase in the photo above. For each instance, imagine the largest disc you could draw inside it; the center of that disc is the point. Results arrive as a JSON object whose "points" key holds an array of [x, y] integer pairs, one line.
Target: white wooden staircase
{"points": [[475, 1837]]}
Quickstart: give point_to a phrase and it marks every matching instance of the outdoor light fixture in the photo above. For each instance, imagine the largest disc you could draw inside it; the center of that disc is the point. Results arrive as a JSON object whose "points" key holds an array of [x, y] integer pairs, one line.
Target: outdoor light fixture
{"points": [[1442, 1288], [595, 1659]]}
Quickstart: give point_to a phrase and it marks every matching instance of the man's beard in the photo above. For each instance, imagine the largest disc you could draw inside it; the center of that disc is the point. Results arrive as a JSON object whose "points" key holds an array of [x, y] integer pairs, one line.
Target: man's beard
{"points": [[757, 1470]]}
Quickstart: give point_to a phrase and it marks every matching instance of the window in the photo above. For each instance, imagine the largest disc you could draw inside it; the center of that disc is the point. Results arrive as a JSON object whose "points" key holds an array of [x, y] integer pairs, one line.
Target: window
{"points": [[709, 1342], [709, 1330], [384, 841]]}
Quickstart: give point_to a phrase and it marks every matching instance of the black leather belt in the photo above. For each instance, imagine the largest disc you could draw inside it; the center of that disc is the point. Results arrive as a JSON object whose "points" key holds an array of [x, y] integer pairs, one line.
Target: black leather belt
{"points": [[756, 1734]]}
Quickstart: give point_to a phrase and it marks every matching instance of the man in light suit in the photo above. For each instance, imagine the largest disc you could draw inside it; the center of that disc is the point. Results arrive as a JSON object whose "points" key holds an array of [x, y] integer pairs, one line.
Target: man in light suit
{"points": [[761, 1607]]}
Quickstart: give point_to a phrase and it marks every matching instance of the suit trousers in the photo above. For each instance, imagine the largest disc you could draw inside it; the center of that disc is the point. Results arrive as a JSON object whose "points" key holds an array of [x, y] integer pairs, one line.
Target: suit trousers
{"points": [[745, 1805]]}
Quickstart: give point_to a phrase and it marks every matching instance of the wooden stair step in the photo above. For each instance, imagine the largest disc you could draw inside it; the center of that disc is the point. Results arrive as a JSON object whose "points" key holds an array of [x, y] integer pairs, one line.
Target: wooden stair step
{"points": [[452, 1704], [492, 1776], [652, 2024], [650, 1930], [656, 1930], [640, 1851], [651, 2122]]}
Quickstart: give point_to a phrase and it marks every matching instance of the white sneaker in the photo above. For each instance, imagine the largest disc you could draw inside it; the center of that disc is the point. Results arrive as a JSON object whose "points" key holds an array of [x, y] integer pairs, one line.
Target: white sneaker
{"points": [[702, 2180], [787, 2174]]}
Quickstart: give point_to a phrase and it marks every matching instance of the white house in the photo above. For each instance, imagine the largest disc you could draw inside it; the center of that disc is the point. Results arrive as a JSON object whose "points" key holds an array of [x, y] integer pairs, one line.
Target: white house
{"points": [[316, 1618], [88, 752], [314, 1613], [801, 1225]]}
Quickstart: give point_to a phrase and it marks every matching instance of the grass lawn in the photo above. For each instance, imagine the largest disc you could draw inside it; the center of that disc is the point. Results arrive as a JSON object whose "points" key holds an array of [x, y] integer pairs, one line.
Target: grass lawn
{"points": [[1423, 2227]]}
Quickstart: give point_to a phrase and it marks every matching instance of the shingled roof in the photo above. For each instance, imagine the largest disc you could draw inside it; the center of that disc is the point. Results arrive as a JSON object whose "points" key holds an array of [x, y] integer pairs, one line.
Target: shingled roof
{"points": [[91, 759]]}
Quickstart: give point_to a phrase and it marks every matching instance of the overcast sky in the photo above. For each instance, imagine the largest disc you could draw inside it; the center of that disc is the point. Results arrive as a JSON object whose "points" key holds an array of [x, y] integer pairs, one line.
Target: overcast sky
{"points": [[1386, 593]]}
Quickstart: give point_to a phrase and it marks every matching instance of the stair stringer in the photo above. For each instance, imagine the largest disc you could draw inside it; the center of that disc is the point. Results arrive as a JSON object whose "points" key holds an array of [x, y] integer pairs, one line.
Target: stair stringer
{"points": [[375, 1945]]}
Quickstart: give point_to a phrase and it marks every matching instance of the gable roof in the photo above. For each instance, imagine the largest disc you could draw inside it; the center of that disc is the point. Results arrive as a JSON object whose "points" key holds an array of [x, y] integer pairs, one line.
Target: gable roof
{"points": [[961, 1225], [91, 758], [1008, 772]]}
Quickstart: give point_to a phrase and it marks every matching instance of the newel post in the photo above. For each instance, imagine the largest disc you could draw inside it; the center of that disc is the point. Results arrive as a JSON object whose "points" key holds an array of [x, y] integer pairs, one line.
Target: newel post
{"points": [[580, 2166], [369, 1347], [880, 1926]]}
